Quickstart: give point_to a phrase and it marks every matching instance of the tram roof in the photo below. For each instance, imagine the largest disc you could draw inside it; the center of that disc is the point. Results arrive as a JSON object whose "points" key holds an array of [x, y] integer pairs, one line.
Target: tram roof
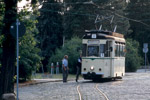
{"points": [[102, 34]]}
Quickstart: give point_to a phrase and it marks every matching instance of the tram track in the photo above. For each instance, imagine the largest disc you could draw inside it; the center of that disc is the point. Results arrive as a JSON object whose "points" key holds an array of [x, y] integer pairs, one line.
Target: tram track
{"points": [[80, 97], [96, 88], [106, 98]]}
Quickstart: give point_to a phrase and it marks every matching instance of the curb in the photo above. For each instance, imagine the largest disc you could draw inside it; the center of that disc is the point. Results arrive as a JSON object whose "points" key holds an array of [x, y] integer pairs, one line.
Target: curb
{"points": [[34, 82]]}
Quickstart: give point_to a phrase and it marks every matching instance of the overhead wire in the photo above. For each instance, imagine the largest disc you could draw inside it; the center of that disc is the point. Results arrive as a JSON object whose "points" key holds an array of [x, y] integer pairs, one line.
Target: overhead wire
{"points": [[127, 17], [89, 3], [77, 13]]}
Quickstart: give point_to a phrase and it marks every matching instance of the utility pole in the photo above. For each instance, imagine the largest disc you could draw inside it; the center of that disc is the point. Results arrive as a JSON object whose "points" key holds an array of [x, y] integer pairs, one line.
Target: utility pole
{"points": [[17, 30]]}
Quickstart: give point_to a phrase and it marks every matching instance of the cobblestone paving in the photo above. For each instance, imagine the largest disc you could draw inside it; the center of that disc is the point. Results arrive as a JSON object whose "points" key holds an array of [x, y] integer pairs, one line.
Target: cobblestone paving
{"points": [[89, 92], [134, 86], [50, 91]]}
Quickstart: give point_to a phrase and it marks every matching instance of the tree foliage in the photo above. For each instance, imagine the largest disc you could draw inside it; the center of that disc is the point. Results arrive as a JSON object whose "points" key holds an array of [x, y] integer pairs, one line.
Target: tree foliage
{"points": [[82, 14], [8, 17], [2, 9], [78, 18], [71, 48], [29, 53], [50, 29], [8, 49], [140, 26], [133, 59]]}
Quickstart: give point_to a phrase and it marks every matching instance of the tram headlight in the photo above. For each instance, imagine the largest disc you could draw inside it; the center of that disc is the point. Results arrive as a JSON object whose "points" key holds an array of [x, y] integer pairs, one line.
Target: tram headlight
{"points": [[92, 68]]}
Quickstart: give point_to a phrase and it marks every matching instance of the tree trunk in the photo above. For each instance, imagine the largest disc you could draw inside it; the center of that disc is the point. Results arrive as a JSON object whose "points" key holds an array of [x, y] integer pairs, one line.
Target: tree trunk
{"points": [[9, 49]]}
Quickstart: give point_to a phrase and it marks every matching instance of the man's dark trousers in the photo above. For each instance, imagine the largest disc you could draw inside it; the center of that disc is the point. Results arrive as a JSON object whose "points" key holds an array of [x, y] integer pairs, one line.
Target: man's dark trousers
{"points": [[65, 75]]}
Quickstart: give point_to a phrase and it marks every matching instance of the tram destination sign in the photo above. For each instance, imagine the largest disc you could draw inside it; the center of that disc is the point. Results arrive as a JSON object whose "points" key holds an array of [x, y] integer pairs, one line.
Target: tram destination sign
{"points": [[93, 41]]}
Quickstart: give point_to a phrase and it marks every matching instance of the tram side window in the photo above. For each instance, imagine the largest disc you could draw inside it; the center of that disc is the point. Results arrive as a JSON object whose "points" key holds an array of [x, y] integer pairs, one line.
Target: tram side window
{"points": [[123, 47], [84, 47], [121, 50], [117, 51], [93, 50]]}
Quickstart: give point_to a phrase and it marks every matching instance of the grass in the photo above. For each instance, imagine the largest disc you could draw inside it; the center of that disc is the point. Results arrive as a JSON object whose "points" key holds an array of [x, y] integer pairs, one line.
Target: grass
{"points": [[49, 76]]}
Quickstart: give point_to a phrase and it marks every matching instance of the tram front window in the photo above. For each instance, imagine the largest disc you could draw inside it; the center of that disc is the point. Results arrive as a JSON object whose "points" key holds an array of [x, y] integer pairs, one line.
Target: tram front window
{"points": [[93, 50]]}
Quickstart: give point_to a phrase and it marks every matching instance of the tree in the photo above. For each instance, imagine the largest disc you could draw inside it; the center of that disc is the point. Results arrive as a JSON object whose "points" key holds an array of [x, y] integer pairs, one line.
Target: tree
{"points": [[50, 29], [9, 48], [133, 59], [72, 49], [139, 11], [1, 41], [2, 9], [78, 17], [29, 52], [81, 15], [114, 8], [29, 58]]}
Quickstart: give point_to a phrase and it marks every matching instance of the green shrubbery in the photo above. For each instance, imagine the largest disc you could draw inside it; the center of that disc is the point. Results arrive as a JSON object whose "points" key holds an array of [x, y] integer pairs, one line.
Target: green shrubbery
{"points": [[133, 59], [71, 48], [30, 59]]}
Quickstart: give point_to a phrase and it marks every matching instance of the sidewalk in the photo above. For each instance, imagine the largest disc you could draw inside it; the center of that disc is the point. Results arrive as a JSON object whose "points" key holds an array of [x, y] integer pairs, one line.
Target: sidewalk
{"points": [[39, 78], [37, 81]]}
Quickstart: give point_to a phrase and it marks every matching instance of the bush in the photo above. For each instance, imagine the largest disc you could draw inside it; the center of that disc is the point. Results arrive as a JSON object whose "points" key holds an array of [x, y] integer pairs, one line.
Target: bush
{"points": [[30, 59], [133, 59], [71, 48], [29, 56]]}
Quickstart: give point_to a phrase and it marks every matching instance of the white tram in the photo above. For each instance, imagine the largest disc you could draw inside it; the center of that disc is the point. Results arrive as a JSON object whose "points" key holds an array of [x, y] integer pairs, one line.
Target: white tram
{"points": [[103, 55]]}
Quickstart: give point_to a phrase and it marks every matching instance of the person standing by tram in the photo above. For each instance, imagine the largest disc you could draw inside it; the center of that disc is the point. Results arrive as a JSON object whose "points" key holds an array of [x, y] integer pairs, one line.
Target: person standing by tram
{"points": [[65, 68], [78, 67]]}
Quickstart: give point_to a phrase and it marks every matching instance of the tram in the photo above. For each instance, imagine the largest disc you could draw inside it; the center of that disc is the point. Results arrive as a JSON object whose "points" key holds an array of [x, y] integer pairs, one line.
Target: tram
{"points": [[103, 55]]}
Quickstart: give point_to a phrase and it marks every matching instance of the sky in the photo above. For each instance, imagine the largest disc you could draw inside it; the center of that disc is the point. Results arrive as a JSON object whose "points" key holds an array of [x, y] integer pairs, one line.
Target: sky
{"points": [[23, 3]]}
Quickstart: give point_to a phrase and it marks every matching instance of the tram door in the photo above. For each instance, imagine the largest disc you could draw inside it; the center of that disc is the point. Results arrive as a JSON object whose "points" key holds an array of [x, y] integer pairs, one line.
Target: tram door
{"points": [[106, 53], [111, 57]]}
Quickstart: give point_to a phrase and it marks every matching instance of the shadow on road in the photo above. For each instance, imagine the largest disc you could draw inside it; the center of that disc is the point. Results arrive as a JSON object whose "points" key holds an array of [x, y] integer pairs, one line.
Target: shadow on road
{"points": [[101, 81]]}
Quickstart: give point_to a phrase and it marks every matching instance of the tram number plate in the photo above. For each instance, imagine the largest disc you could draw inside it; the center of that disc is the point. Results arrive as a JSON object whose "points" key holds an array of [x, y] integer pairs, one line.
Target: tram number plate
{"points": [[93, 36]]}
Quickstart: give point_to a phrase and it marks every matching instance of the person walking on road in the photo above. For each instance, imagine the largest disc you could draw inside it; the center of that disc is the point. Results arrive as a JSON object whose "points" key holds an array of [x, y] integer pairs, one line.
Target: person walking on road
{"points": [[65, 68], [78, 67]]}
